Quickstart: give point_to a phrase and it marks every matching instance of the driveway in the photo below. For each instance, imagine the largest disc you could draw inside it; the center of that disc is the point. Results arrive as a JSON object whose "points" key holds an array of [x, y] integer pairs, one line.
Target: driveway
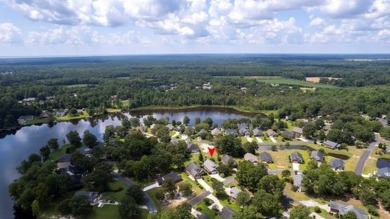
{"points": [[217, 177], [205, 185], [147, 200], [198, 198], [274, 172], [249, 139], [216, 201], [364, 157], [259, 140], [273, 139], [295, 166], [154, 185]]}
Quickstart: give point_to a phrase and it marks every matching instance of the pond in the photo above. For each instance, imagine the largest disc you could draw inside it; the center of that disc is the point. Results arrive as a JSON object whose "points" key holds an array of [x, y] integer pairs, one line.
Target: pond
{"points": [[381, 163], [16, 147]]}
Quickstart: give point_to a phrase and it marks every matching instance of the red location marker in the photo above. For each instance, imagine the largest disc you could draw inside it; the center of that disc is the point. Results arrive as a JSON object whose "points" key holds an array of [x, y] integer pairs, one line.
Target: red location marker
{"points": [[211, 150]]}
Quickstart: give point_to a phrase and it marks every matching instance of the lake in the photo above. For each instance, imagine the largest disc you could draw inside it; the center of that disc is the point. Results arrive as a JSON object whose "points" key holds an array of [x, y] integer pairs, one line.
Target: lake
{"points": [[14, 148]]}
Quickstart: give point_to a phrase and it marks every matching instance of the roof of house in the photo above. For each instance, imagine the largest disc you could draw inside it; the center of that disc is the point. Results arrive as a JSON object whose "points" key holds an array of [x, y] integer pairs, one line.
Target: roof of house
{"points": [[210, 166], [175, 178], [297, 180], [202, 216], [257, 132], [64, 158], [271, 132], [63, 165], [296, 156], [337, 164], [317, 155], [345, 208], [202, 131], [90, 195], [383, 172], [226, 213], [331, 144], [266, 157], [297, 130], [290, 134], [216, 131], [192, 147], [225, 159], [243, 131], [234, 191], [170, 127], [250, 157], [193, 169], [84, 150], [231, 132]]}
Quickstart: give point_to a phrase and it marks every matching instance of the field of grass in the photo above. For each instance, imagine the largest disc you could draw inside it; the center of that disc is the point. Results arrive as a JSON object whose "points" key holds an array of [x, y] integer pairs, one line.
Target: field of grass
{"points": [[77, 85], [107, 211], [195, 187], [118, 189], [112, 110], [293, 82], [202, 207], [37, 121], [68, 117]]}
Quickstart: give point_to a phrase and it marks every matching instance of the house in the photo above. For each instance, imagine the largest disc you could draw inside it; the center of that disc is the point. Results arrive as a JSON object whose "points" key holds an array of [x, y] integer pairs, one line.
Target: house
{"points": [[234, 191], [93, 197], [252, 158], [64, 164], [173, 176], [232, 132], [45, 114], [170, 127], [226, 159], [337, 164], [216, 132], [192, 147], [288, 134], [298, 132], [297, 182], [207, 86], [330, 144], [257, 132], [271, 133], [64, 158], [210, 166], [243, 131], [266, 157], [226, 213], [383, 172], [202, 131], [317, 156], [193, 170], [180, 128], [61, 113], [23, 119], [342, 209], [296, 157], [84, 150]]}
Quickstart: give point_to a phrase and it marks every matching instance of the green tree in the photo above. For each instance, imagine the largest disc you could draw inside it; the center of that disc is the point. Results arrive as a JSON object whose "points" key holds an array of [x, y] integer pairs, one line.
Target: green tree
{"points": [[249, 175], [74, 138], [53, 143], [286, 174], [300, 212], [224, 170], [267, 204], [135, 191], [250, 147], [349, 215], [197, 120], [385, 199], [243, 199], [89, 139], [169, 187], [185, 189], [45, 152], [129, 208], [230, 145], [35, 207], [186, 120], [272, 184]]}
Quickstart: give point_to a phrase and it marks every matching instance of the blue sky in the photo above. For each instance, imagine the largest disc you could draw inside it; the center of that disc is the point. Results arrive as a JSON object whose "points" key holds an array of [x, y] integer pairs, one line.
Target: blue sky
{"points": [[113, 27]]}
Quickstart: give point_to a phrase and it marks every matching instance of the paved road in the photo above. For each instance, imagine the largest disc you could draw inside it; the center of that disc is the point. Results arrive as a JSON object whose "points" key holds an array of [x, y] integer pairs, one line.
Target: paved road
{"points": [[364, 157], [148, 201], [198, 198], [274, 172]]}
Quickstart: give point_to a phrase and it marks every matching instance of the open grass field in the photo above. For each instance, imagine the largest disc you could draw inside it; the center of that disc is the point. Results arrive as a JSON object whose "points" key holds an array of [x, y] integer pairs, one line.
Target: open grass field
{"points": [[287, 81], [68, 117], [202, 207]]}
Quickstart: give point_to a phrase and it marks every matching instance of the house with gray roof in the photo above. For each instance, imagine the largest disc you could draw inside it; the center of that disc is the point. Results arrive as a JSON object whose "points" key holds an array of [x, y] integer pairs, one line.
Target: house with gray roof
{"points": [[193, 170], [173, 176], [22, 120], [210, 166], [383, 172], [234, 191], [288, 134], [192, 147], [226, 213], [331, 144], [252, 158], [257, 132], [336, 164], [232, 132], [342, 209], [216, 132], [85, 150], [271, 133], [297, 182], [266, 157], [296, 157], [226, 159], [170, 127], [93, 197], [298, 131], [243, 131], [317, 156]]}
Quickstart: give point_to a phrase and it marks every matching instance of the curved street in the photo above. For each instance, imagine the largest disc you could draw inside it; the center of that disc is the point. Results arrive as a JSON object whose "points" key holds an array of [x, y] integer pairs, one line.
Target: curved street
{"points": [[366, 154]]}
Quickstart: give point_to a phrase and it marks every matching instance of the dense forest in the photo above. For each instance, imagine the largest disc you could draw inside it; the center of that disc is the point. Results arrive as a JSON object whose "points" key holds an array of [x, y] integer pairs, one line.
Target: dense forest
{"points": [[128, 82]]}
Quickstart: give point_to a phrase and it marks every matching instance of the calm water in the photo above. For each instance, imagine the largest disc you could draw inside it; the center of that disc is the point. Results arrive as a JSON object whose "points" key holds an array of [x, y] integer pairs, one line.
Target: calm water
{"points": [[17, 147], [382, 163]]}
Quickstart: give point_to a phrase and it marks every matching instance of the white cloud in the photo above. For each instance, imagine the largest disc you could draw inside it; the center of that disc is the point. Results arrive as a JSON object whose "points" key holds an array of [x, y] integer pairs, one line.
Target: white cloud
{"points": [[345, 8], [9, 33], [317, 22]]}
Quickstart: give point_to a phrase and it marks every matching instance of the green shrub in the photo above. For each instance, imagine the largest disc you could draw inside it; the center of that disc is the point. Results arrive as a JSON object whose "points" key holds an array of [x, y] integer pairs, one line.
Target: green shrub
{"points": [[317, 209], [372, 210]]}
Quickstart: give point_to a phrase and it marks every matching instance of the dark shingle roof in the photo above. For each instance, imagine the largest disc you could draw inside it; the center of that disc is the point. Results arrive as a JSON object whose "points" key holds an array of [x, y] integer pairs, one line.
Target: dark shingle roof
{"points": [[65, 158], [257, 132], [210, 166], [296, 157], [266, 157], [337, 164], [193, 169], [345, 208], [227, 213], [331, 144], [383, 172], [175, 178], [317, 155]]}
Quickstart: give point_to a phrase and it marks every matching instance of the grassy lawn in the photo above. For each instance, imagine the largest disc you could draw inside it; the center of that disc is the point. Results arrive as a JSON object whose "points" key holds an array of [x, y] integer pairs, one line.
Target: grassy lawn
{"points": [[68, 117], [195, 186], [265, 138], [350, 164], [77, 85], [107, 211], [370, 166], [323, 213], [117, 193], [57, 154], [244, 140], [286, 81], [231, 204], [112, 110], [202, 207], [152, 194], [37, 121]]}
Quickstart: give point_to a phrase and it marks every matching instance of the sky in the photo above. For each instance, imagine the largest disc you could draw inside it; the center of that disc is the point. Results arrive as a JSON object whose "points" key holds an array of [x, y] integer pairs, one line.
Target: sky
{"points": [[120, 27]]}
